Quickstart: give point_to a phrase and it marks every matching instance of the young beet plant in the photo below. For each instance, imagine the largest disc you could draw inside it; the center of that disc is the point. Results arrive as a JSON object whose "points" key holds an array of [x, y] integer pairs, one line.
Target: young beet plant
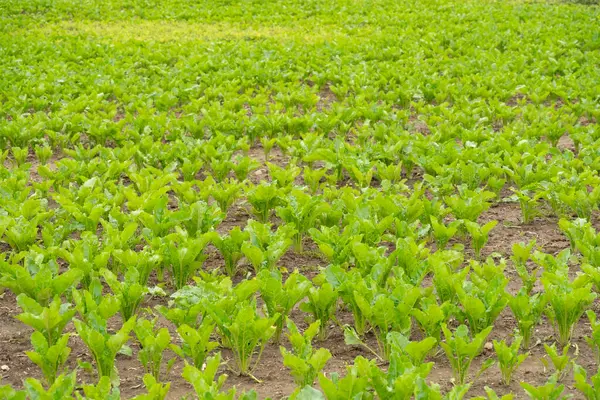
{"points": [[387, 313], [469, 204], [153, 343], [561, 362], [567, 302], [321, 305], [207, 387], [129, 292], [41, 285], [185, 255], [301, 210], [483, 300], [280, 297], [203, 379], [355, 291], [50, 358], [461, 349], [590, 389], [230, 247], [246, 333], [95, 311], [48, 321], [521, 254], [479, 235], [406, 379], [594, 340], [430, 316], [304, 362], [196, 343], [528, 310], [354, 385], [550, 390], [62, 388], [103, 345], [509, 358], [413, 351], [443, 233], [265, 247], [264, 198]]}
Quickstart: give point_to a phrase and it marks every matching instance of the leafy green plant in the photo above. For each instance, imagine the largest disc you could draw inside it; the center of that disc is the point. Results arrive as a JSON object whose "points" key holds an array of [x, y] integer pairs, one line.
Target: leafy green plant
{"points": [[411, 257], [469, 204], [230, 247], [589, 389], [226, 193], [529, 204], [8, 393], [479, 235], [103, 389], [92, 305], [51, 358], [527, 310], [41, 283], [301, 210], [246, 333], [49, 321], [145, 262], [387, 313], [43, 153], [312, 177], [321, 304], [549, 391], [567, 302], [509, 358], [483, 298], [103, 345], [414, 351], [244, 166], [461, 349], [204, 380], [20, 155], [335, 245], [561, 362], [491, 395], [447, 276], [283, 177], [594, 339], [86, 255], [153, 343], [155, 389], [159, 220], [129, 292], [430, 316], [405, 378], [521, 254], [62, 388], [185, 255], [196, 343], [356, 292], [443, 233], [354, 385], [281, 297], [575, 230], [264, 198], [200, 217], [265, 247], [304, 362]]}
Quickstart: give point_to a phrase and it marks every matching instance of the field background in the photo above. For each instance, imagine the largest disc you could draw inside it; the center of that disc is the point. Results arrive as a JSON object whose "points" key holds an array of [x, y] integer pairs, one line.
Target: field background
{"points": [[434, 84]]}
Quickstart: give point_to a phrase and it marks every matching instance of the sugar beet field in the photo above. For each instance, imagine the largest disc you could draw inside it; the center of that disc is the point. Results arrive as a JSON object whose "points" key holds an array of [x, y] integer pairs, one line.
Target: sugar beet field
{"points": [[316, 199]]}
